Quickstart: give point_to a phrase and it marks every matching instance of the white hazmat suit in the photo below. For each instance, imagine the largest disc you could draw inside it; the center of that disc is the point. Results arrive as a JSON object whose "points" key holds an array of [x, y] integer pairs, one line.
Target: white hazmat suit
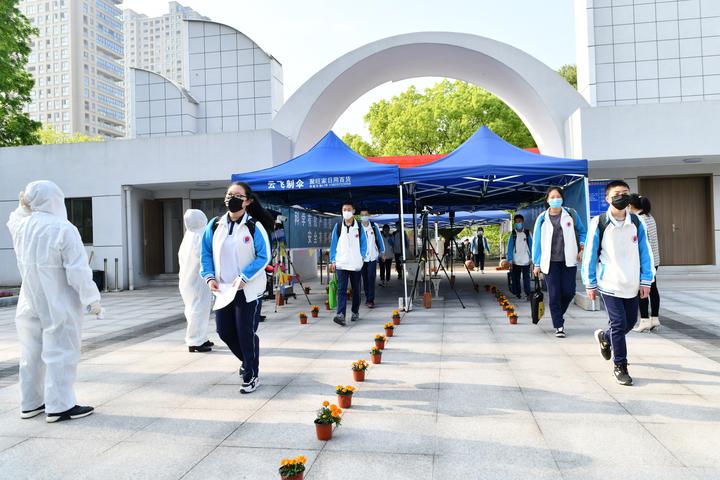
{"points": [[193, 290], [57, 289]]}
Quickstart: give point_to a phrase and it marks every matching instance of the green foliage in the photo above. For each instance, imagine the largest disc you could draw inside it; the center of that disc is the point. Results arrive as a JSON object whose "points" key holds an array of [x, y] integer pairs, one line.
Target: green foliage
{"points": [[437, 121], [16, 127], [569, 73], [48, 136], [358, 143]]}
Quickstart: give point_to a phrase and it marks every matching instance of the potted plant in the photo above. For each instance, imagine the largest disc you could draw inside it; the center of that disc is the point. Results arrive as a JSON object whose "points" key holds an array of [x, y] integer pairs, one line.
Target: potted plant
{"points": [[327, 304], [512, 318], [510, 310], [380, 341], [376, 355], [307, 290], [358, 369], [344, 394], [292, 468], [389, 327], [303, 318], [315, 311], [327, 416], [396, 317]]}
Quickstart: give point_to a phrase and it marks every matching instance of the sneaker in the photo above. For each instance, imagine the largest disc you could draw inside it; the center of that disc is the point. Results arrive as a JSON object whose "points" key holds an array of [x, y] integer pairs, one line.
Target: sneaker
{"points": [[605, 347], [200, 348], [74, 413], [355, 317], [643, 326], [654, 324], [621, 374], [33, 413], [560, 332], [251, 386], [339, 319]]}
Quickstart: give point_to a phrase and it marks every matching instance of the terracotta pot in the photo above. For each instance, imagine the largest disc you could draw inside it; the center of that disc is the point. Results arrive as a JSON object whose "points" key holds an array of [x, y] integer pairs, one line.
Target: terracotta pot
{"points": [[297, 476], [389, 332], [380, 344], [303, 320], [359, 375], [427, 300], [396, 320], [376, 359], [324, 431], [314, 314], [307, 290], [513, 320], [344, 401], [279, 299]]}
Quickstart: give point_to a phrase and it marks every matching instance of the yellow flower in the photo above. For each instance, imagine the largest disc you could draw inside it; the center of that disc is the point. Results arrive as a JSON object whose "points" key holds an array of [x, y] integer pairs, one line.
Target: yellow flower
{"points": [[326, 403]]}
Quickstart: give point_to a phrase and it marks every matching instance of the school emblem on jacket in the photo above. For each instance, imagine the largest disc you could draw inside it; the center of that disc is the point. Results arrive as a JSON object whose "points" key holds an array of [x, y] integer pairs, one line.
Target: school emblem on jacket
{"points": [[569, 223], [357, 235], [247, 239], [635, 239]]}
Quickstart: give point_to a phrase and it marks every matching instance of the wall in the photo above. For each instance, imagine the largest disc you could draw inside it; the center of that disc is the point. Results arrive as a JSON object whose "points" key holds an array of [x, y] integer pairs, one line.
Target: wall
{"points": [[160, 107]]}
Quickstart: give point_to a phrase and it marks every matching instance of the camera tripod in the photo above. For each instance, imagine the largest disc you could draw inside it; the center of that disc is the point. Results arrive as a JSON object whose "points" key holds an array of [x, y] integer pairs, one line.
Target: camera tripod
{"points": [[276, 255]]}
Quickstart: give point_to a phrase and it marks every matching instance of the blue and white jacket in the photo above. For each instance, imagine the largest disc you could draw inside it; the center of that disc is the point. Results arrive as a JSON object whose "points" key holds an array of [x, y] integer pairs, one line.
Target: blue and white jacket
{"points": [[526, 244], [574, 232], [251, 257], [375, 245], [475, 245], [348, 247], [625, 261]]}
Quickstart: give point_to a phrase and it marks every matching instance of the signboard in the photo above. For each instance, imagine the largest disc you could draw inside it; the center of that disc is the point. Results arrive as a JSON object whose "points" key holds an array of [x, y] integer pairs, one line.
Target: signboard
{"points": [[344, 181], [598, 204], [304, 229]]}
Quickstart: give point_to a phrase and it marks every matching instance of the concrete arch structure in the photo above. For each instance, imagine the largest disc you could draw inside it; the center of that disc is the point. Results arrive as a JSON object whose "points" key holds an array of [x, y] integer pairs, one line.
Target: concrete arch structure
{"points": [[542, 99]]}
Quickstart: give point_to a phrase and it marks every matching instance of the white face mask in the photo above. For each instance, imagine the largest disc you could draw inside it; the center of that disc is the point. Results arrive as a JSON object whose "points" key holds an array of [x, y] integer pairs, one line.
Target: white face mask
{"points": [[365, 218], [347, 215]]}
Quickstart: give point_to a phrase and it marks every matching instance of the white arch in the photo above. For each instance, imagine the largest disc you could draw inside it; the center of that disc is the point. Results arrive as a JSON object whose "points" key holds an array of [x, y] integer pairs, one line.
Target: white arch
{"points": [[541, 97]]}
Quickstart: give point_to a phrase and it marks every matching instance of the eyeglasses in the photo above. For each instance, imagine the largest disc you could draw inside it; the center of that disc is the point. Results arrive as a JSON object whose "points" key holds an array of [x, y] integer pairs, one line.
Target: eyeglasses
{"points": [[228, 196]]}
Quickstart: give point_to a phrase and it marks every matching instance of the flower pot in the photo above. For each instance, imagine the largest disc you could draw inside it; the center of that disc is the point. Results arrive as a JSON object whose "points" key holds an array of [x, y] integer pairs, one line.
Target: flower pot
{"points": [[513, 320], [324, 431], [307, 290], [303, 320], [427, 300], [396, 320], [359, 375], [314, 314], [297, 476], [380, 344], [344, 401], [389, 332], [279, 299], [376, 359]]}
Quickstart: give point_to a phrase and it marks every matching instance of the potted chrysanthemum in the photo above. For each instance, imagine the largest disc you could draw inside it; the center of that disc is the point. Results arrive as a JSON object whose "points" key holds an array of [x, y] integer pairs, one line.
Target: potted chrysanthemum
{"points": [[376, 355], [293, 468], [327, 416], [389, 329], [344, 394], [303, 318], [380, 341], [358, 369]]}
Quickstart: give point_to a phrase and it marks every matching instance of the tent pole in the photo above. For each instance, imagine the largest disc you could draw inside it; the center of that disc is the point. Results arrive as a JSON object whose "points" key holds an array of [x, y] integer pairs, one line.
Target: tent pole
{"points": [[402, 242]]}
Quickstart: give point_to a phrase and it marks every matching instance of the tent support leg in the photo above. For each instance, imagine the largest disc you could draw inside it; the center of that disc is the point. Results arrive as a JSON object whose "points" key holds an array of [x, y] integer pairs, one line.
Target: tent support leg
{"points": [[408, 307]]}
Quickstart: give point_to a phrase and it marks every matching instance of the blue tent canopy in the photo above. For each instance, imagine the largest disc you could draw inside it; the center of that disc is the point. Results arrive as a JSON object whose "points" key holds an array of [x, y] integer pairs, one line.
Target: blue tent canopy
{"points": [[488, 171], [462, 219]]}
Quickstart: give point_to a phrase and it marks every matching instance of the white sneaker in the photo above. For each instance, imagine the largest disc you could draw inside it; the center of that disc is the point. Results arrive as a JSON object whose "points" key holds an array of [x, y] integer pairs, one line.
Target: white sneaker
{"points": [[655, 324], [250, 386], [643, 326]]}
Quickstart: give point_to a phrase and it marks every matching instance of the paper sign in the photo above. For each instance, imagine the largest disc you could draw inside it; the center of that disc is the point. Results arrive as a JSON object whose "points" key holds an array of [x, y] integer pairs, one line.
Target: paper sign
{"points": [[225, 296]]}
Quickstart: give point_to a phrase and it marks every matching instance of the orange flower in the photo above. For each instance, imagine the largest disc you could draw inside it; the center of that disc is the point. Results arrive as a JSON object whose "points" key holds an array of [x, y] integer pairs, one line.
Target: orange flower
{"points": [[326, 403]]}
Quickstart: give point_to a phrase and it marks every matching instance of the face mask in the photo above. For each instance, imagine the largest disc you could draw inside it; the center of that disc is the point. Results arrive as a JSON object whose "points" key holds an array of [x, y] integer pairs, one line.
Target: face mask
{"points": [[555, 202], [365, 218], [480, 234], [518, 226], [347, 215], [235, 204], [620, 201]]}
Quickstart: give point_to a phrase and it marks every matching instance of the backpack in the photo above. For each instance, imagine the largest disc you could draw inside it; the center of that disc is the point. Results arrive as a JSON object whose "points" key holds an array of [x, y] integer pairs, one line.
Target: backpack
{"points": [[573, 214], [377, 241], [527, 239], [603, 222], [251, 227]]}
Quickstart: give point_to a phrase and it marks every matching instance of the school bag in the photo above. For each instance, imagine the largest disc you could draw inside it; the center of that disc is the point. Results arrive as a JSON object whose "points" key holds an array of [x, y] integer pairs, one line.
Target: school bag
{"points": [[537, 302], [603, 222]]}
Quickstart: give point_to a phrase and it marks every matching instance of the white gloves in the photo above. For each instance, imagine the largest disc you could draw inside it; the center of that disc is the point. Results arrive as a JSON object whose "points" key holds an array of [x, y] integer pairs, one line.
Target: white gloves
{"points": [[96, 309], [23, 203]]}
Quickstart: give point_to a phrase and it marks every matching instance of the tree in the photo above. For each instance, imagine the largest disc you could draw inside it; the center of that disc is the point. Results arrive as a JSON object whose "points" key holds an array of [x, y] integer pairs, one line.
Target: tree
{"points": [[16, 127], [48, 136], [437, 120], [358, 143], [569, 73]]}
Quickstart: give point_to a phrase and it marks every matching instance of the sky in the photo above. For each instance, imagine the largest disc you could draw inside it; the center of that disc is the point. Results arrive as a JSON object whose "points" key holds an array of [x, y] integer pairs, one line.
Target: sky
{"points": [[306, 35]]}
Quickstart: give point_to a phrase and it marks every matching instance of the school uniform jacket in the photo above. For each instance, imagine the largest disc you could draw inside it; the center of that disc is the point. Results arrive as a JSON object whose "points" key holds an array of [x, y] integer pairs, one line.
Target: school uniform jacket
{"points": [[348, 247], [573, 233]]}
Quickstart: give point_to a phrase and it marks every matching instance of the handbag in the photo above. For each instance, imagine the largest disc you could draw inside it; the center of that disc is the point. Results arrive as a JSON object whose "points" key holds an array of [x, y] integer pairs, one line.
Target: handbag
{"points": [[332, 292], [537, 303]]}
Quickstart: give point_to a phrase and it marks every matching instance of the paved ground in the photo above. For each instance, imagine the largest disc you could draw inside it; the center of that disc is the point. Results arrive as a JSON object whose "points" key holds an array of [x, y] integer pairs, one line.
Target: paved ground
{"points": [[460, 394]]}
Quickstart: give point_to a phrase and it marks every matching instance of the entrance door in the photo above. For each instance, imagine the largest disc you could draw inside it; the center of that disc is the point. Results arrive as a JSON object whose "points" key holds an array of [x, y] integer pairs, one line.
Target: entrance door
{"points": [[153, 237], [681, 206]]}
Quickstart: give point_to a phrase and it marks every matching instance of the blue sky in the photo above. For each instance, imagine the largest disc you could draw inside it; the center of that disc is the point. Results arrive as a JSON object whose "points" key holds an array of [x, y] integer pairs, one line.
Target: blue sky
{"points": [[306, 35]]}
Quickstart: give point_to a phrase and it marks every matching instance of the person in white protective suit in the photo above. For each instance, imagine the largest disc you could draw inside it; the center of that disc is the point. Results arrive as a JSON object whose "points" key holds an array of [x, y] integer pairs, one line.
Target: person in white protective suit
{"points": [[57, 288], [193, 290]]}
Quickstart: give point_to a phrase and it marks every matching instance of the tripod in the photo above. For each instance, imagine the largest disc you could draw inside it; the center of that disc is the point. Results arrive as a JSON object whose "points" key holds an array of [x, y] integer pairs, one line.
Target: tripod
{"points": [[453, 244], [282, 225], [423, 260]]}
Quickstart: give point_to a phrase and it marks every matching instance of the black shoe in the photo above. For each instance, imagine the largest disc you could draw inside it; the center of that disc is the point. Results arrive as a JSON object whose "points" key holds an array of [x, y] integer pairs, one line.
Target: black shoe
{"points": [[261, 318], [33, 413], [605, 347], [560, 332], [200, 348], [340, 320], [241, 371], [621, 374], [75, 412], [355, 317], [208, 344]]}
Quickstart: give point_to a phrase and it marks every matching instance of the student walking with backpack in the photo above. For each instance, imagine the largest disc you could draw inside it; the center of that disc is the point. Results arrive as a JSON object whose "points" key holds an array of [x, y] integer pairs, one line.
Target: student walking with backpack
{"points": [[386, 257], [348, 247], [479, 247], [558, 241], [518, 255], [375, 248], [649, 317], [617, 263], [235, 252]]}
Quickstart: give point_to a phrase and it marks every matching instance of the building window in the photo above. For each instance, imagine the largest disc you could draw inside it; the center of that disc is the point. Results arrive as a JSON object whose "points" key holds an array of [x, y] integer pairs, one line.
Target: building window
{"points": [[79, 212]]}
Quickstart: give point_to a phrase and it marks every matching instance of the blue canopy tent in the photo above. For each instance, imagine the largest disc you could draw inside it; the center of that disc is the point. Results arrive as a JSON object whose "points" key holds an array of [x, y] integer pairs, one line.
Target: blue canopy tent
{"points": [[462, 219], [326, 175]]}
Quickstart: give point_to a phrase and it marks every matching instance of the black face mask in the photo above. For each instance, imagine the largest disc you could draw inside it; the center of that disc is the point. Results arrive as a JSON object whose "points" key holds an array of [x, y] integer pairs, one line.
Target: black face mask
{"points": [[620, 202], [236, 204]]}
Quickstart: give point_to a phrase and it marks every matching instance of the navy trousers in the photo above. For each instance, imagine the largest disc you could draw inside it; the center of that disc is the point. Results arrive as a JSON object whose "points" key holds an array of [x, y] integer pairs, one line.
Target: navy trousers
{"points": [[560, 281], [354, 278], [237, 325], [517, 270], [369, 272], [622, 316]]}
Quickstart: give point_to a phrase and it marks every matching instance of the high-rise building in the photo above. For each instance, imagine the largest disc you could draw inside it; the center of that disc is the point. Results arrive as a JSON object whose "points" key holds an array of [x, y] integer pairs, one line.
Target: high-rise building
{"points": [[76, 61]]}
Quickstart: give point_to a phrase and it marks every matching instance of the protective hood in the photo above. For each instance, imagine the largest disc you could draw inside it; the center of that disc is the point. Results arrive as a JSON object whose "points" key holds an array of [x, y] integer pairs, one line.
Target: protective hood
{"points": [[45, 196], [195, 220]]}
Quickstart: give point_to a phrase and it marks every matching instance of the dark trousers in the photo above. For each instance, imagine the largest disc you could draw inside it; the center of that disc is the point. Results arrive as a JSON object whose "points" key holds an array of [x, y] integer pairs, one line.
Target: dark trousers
{"points": [[343, 277], [480, 260], [560, 281], [516, 271], [622, 316], [236, 325], [653, 302], [369, 272], [398, 264], [385, 268]]}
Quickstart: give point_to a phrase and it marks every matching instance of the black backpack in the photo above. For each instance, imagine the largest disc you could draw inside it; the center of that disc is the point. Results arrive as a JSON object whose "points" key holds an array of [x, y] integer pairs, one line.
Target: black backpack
{"points": [[251, 227], [377, 240], [527, 239], [603, 222]]}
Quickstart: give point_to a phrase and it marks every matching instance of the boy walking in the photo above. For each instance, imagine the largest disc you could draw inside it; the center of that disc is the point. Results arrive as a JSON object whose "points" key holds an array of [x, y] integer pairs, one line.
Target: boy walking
{"points": [[375, 248], [617, 263], [519, 256]]}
